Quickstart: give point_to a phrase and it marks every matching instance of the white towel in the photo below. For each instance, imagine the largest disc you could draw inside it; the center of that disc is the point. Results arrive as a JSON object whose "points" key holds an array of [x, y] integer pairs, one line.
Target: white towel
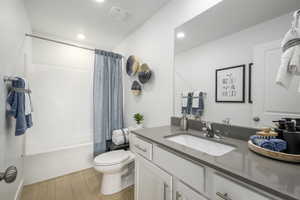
{"points": [[184, 99], [294, 66], [195, 102], [120, 136], [290, 59], [28, 103], [284, 76]]}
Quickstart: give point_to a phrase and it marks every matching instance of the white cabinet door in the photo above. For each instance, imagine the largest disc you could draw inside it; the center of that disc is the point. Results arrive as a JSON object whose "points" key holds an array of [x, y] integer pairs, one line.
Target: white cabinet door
{"points": [[151, 182], [271, 101], [183, 192]]}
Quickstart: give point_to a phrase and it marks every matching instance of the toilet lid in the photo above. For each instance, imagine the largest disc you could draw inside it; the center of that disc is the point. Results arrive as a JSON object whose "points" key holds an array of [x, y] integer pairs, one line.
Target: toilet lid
{"points": [[112, 157]]}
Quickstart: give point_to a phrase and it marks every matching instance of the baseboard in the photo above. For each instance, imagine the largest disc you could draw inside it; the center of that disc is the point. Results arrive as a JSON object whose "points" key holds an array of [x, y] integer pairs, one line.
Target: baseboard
{"points": [[19, 191]]}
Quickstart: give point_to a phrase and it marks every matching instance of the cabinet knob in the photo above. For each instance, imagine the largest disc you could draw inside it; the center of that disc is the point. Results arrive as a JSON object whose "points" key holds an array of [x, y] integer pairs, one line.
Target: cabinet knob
{"points": [[256, 119], [223, 196], [178, 196], [9, 175]]}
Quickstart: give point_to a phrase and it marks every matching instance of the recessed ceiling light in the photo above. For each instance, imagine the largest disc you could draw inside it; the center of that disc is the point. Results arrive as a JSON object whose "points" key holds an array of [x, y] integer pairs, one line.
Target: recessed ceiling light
{"points": [[180, 35], [100, 1], [80, 36]]}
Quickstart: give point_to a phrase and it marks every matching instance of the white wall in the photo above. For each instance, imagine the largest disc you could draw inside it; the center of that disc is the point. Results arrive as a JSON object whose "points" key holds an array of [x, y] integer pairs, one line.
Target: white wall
{"points": [[61, 78], [195, 68], [153, 43], [13, 47], [60, 142]]}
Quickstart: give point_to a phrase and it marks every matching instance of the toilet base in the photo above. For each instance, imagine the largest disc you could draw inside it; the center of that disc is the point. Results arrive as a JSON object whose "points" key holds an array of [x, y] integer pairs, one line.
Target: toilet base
{"points": [[114, 183]]}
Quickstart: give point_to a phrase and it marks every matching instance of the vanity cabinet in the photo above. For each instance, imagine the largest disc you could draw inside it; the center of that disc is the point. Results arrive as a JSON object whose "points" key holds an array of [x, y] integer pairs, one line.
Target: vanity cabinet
{"points": [[151, 182], [161, 174]]}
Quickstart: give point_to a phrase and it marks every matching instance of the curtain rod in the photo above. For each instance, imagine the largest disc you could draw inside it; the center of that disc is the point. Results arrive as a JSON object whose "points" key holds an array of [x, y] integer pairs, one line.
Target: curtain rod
{"points": [[59, 42]]}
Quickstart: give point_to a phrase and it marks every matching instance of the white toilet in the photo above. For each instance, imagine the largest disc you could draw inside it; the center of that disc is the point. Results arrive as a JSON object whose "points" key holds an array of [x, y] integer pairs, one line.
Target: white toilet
{"points": [[117, 168]]}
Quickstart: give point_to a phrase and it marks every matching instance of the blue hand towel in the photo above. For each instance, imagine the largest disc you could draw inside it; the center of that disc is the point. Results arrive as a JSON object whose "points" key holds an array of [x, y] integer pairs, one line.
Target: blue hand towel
{"points": [[184, 105], [190, 102], [280, 145], [199, 107], [187, 105], [16, 108], [267, 144]]}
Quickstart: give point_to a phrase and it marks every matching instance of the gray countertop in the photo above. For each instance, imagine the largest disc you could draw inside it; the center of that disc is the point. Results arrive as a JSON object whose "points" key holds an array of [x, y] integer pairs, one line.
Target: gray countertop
{"points": [[278, 178]]}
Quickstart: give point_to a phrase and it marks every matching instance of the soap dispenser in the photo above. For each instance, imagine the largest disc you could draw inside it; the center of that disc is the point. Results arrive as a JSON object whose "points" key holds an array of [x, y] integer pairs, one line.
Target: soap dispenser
{"points": [[184, 122]]}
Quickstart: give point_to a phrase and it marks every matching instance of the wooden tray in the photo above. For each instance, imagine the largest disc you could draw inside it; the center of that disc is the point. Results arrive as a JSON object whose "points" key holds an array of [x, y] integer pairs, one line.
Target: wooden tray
{"points": [[274, 154]]}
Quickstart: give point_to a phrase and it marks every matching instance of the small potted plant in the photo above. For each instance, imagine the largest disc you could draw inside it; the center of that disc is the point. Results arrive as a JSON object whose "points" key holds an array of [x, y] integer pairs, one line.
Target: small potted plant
{"points": [[139, 118]]}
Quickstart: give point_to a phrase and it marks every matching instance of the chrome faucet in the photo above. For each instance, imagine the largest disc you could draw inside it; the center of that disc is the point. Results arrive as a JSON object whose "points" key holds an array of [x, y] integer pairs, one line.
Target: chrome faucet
{"points": [[209, 132]]}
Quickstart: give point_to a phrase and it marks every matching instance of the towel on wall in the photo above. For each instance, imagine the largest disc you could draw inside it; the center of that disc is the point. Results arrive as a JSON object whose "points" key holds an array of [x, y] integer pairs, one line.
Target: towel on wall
{"points": [[184, 103], [16, 107], [189, 102], [28, 100], [290, 58], [198, 103]]}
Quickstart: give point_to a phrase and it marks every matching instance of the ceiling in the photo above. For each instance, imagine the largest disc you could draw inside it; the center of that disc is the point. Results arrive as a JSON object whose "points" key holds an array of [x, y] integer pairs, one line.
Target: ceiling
{"points": [[65, 19], [228, 17]]}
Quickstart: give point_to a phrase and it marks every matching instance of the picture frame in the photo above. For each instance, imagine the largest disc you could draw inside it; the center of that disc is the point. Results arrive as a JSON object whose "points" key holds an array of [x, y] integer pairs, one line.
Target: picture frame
{"points": [[230, 84], [250, 66]]}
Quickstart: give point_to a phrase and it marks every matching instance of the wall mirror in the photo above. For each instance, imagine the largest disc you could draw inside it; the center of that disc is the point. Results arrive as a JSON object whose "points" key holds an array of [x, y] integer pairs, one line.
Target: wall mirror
{"points": [[245, 38]]}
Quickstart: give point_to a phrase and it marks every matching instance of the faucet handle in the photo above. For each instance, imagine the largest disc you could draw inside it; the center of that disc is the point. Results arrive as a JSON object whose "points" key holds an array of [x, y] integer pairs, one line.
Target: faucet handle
{"points": [[209, 127], [218, 134], [226, 121]]}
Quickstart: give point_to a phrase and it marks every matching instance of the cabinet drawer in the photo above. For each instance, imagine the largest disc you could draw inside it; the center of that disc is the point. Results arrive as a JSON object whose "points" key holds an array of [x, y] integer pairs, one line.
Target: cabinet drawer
{"points": [[226, 189], [183, 192], [141, 147], [183, 169]]}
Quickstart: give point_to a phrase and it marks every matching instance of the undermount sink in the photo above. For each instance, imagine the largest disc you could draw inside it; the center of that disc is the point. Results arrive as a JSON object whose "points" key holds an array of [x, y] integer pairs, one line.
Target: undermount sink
{"points": [[207, 146]]}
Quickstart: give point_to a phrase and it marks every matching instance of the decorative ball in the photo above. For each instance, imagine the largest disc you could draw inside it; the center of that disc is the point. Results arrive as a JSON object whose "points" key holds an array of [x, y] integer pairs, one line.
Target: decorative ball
{"points": [[132, 65], [136, 88], [144, 74]]}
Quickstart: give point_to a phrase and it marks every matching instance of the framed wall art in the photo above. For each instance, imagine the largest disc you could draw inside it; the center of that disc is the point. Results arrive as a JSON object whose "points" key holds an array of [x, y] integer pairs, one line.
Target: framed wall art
{"points": [[250, 100], [230, 84]]}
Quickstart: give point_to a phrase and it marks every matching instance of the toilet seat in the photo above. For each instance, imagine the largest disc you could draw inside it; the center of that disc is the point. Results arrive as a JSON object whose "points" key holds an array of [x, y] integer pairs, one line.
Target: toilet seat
{"points": [[112, 158]]}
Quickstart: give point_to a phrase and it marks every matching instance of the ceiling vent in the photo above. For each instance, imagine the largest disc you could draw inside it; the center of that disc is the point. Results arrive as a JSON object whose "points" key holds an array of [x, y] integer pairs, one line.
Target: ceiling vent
{"points": [[119, 13]]}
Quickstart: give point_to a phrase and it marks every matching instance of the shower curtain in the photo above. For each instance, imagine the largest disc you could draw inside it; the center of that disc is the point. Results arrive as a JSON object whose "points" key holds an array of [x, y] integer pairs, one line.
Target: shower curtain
{"points": [[108, 98]]}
